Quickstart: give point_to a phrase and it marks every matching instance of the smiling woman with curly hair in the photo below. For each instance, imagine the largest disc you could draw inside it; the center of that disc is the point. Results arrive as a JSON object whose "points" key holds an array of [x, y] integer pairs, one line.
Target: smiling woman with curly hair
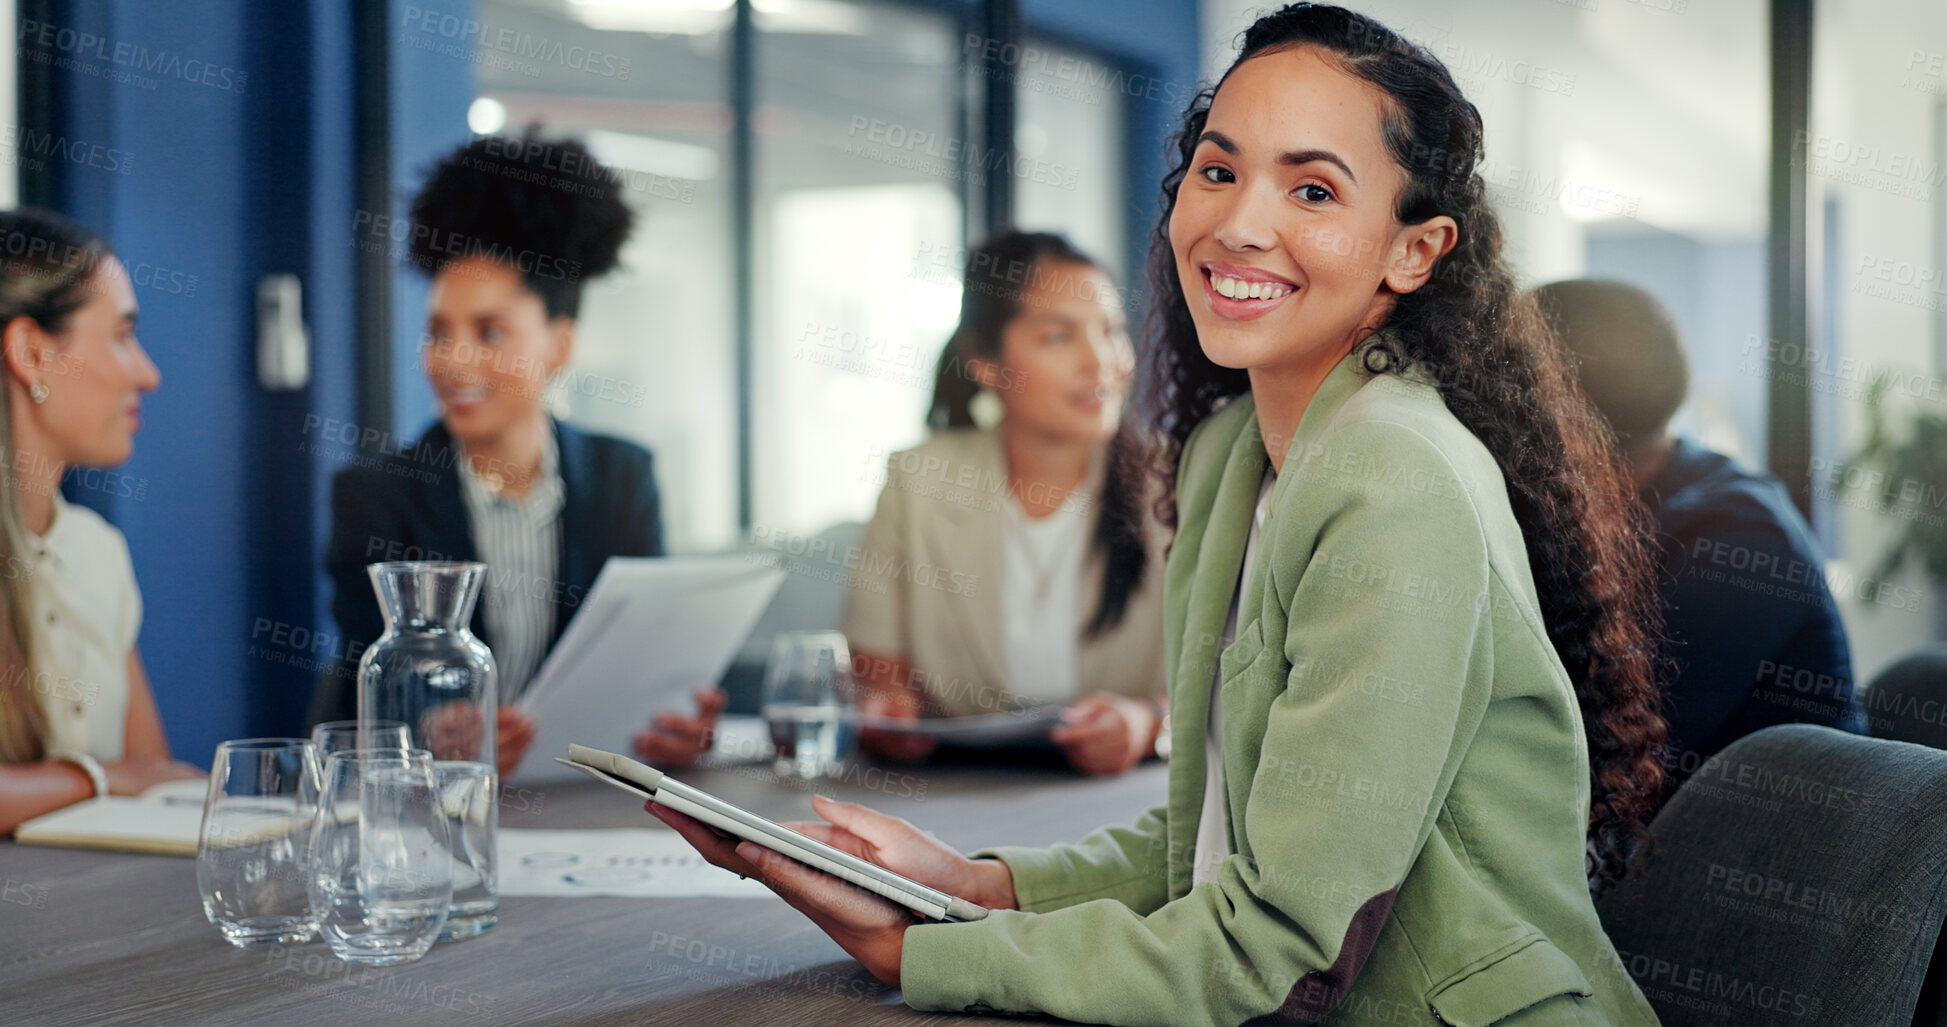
{"points": [[1407, 612]]}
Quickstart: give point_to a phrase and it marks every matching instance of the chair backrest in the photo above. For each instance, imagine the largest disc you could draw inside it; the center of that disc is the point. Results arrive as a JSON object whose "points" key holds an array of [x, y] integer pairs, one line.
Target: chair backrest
{"points": [[1908, 701], [819, 569], [1800, 877]]}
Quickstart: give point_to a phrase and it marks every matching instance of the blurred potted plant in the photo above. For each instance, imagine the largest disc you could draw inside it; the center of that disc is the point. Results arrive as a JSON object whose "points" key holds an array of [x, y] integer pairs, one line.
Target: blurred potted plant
{"points": [[1906, 478]]}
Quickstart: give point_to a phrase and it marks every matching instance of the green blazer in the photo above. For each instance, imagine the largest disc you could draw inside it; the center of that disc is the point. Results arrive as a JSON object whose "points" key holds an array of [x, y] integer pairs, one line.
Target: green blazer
{"points": [[1404, 765]]}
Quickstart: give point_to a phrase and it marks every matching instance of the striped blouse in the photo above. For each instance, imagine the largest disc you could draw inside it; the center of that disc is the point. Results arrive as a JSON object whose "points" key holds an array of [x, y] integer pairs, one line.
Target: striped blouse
{"points": [[519, 539]]}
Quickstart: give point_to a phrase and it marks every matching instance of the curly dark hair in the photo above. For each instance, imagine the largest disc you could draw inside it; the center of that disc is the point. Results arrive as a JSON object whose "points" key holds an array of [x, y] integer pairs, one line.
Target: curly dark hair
{"points": [[998, 273], [1502, 374], [546, 208]]}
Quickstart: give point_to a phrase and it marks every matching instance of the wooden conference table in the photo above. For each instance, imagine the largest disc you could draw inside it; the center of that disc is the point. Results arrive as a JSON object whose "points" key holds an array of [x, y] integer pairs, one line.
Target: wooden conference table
{"points": [[97, 938]]}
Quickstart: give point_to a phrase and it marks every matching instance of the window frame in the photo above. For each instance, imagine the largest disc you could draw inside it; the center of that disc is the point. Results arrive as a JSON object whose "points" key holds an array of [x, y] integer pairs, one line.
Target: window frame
{"points": [[986, 111]]}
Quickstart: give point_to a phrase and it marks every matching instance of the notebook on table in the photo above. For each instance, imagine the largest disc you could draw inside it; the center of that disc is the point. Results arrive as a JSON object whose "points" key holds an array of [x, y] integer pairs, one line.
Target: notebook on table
{"points": [[164, 820]]}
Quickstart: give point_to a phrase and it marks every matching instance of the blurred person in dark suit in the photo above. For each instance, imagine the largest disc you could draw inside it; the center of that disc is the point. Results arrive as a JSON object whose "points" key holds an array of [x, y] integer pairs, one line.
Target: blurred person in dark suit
{"points": [[1753, 633], [509, 231]]}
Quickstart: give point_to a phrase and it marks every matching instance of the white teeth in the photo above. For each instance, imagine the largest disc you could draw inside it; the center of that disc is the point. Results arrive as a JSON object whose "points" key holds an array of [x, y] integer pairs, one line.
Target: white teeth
{"points": [[1237, 288], [470, 394]]}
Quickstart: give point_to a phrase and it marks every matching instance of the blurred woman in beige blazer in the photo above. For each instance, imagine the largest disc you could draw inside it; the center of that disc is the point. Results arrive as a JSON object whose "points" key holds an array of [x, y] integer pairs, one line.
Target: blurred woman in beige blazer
{"points": [[1017, 565]]}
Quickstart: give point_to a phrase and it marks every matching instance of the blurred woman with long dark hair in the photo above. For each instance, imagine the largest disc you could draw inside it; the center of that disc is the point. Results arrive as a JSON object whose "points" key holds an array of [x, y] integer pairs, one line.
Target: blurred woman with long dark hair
{"points": [[1051, 495], [1015, 565]]}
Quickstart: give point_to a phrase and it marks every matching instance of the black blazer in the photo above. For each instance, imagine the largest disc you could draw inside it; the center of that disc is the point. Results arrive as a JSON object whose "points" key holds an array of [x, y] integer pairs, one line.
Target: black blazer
{"points": [[407, 506]]}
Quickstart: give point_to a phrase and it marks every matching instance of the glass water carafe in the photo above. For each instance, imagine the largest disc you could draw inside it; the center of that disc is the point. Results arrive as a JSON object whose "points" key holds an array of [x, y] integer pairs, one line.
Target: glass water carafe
{"points": [[429, 672]]}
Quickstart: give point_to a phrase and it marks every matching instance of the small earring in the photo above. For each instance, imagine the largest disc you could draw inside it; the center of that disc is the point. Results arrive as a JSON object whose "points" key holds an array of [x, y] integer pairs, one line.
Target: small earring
{"points": [[986, 408], [37, 392]]}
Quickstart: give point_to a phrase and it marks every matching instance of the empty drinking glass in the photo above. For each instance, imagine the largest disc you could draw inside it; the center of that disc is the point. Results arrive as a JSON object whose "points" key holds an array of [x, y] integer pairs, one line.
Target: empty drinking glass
{"points": [[381, 858], [339, 735], [810, 702], [468, 796], [255, 837]]}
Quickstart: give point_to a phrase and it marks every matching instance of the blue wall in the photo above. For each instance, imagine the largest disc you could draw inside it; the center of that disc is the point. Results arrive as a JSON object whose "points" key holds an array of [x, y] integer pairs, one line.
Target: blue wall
{"points": [[240, 160]]}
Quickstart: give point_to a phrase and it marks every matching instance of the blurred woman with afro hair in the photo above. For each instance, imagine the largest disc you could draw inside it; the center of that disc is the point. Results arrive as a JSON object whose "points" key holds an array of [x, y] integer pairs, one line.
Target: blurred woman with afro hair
{"points": [[508, 231]]}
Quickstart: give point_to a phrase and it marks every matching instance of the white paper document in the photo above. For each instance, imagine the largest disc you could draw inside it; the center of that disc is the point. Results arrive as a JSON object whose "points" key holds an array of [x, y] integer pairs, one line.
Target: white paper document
{"points": [[742, 738], [650, 632], [637, 862]]}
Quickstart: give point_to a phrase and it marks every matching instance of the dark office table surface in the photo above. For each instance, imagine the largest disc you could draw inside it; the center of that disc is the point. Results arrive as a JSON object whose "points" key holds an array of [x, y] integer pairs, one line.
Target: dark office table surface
{"points": [[100, 938]]}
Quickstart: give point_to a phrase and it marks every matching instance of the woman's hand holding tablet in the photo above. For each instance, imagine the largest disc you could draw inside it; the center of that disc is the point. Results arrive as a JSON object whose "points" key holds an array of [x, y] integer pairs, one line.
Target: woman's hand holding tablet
{"points": [[866, 926], [899, 871], [899, 846]]}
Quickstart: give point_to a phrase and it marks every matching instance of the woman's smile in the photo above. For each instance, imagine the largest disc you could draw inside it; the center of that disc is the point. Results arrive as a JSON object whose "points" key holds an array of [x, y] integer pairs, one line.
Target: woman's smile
{"points": [[1241, 293], [459, 398]]}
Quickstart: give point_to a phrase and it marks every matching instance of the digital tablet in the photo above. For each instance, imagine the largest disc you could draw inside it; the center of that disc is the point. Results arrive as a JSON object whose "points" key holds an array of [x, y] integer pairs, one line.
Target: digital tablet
{"points": [[650, 783]]}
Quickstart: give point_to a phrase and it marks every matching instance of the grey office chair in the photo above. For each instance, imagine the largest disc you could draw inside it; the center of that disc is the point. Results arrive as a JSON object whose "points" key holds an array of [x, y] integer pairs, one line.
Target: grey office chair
{"points": [[1800, 877], [1908, 701], [812, 597]]}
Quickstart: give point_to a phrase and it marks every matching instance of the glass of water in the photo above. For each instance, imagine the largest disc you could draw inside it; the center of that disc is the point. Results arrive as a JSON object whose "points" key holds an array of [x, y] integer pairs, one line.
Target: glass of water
{"points": [[469, 795], [255, 837], [339, 735], [381, 859], [810, 702]]}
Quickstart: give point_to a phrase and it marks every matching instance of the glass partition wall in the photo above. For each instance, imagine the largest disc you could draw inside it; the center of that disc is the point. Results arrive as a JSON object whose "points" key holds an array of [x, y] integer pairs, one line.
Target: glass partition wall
{"points": [[866, 167]]}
